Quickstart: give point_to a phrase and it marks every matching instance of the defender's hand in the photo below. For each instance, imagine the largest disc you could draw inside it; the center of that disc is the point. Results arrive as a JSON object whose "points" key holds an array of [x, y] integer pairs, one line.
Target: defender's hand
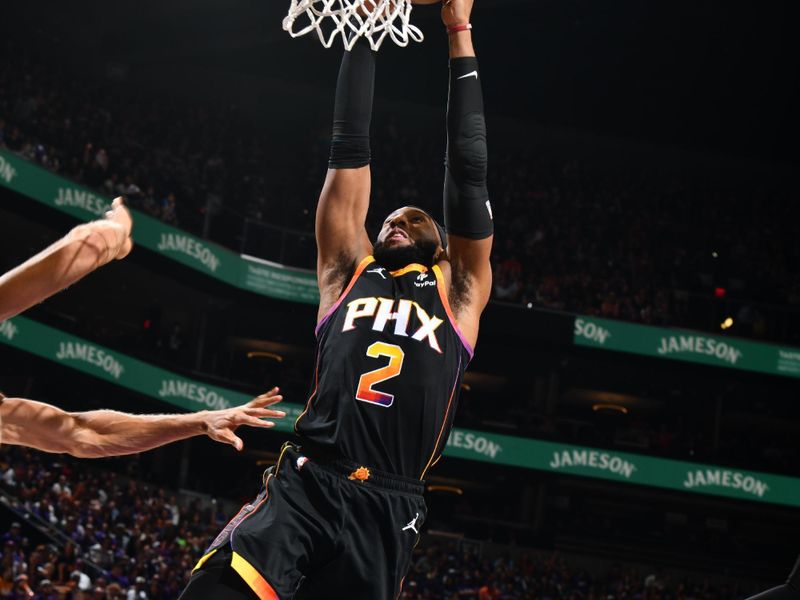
{"points": [[221, 424], [456, 12], [120, 216]]}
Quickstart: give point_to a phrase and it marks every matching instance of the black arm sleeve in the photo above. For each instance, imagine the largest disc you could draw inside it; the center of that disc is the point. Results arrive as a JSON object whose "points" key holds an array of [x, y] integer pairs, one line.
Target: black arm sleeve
{"points": [[352, 111], [789, 591], [467, 211]]}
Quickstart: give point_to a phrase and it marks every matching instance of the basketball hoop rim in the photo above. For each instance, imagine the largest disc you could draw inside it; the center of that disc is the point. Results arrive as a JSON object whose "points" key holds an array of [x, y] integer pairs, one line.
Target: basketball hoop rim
{"points": [[344, 18]]}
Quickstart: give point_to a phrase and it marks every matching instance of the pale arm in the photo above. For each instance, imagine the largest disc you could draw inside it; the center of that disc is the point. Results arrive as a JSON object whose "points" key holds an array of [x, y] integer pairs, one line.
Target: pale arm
{"points": [[84, 249], [99, 433]]}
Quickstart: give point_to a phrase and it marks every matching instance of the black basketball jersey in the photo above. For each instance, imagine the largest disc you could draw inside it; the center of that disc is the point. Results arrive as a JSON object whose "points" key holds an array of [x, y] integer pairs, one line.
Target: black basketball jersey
{"points": [[389, 364]]}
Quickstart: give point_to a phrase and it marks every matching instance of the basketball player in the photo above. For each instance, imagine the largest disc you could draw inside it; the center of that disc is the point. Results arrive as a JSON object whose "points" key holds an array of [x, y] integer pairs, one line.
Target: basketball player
{"points": [[339, 516], [101, 432], [788, 591]]}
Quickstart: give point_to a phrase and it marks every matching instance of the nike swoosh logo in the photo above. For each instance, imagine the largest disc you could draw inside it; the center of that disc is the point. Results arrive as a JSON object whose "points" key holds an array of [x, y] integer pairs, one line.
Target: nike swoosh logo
{"points": [[472, 74]]}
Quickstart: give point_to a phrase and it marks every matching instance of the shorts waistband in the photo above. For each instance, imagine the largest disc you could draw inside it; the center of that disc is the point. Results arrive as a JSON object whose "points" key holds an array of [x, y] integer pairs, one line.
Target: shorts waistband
{"points": [[366, 475]]}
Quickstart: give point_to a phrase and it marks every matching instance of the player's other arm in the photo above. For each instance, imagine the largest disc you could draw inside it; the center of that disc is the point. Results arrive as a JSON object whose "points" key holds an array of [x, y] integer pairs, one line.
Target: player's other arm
{"points": [[98, 433], [84, 249], [468, 216], [342, 210], [788, 591]]}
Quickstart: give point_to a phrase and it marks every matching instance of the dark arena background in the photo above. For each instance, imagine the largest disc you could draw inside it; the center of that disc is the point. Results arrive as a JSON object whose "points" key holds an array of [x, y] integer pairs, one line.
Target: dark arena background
{"points": [[629, 427]]}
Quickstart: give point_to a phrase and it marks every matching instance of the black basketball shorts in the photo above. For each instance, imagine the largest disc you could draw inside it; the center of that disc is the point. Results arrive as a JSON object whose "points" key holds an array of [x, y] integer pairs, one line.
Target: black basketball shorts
{"points": [[325, 529]]}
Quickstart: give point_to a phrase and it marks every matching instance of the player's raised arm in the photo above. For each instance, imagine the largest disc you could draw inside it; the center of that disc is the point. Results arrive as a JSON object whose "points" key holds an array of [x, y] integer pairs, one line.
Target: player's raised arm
{"points": [[98, 433], [342, 210], [788, 591], [467, 212], [84, 249]]}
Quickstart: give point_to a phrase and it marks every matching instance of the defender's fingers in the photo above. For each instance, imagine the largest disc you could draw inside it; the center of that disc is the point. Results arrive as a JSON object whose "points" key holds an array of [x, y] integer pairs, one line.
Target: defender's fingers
{"points": [[268, 399], [260, 403], [255, 422], [227, 436], [114, 206], [265, 412]]}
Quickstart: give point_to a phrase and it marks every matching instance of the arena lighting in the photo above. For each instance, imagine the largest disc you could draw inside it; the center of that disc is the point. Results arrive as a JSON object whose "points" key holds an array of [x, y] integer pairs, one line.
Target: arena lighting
{"points": [[714, 254], [726, 324], [269, 355], [610, 407], [450, 489], [466, 387]]}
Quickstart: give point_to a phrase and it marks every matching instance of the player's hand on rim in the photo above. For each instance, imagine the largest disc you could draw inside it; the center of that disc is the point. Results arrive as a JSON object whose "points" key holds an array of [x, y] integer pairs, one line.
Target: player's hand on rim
{"points": [[456, 12], [221, 424]]}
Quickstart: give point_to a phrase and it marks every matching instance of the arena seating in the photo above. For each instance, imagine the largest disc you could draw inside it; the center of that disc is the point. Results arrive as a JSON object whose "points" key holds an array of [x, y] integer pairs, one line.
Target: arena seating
{"points": [[626, 242], [118, 538]]}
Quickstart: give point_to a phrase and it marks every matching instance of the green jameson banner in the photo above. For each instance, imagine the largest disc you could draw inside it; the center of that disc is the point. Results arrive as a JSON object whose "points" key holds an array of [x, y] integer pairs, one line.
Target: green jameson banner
{"points": [[79, 354], [261, 277], [624, 467], [277, 281], [689, 346], [98, 361]]}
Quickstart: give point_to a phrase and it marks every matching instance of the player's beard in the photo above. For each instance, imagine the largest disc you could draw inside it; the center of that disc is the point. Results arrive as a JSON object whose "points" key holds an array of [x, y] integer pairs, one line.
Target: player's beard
{"points": [[421, 252]]}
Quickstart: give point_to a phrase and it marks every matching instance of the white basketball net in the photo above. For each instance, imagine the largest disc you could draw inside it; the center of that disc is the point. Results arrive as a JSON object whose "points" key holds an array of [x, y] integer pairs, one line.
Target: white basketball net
{"points": [[329, 18]]}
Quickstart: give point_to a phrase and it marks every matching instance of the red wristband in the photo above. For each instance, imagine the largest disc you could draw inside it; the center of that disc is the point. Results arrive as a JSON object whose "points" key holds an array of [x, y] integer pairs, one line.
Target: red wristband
{"points": [[457, 28]]}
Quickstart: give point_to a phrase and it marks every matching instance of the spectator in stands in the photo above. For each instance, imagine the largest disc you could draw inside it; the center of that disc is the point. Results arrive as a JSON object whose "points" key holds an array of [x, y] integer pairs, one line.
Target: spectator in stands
{"points": [[579, 237], [153, 541], [21, 590], [46, 591]]}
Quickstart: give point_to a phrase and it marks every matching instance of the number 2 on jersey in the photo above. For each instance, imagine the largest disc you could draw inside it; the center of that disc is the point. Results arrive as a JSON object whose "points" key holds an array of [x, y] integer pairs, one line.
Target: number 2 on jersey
{"points": [[365, 392]]}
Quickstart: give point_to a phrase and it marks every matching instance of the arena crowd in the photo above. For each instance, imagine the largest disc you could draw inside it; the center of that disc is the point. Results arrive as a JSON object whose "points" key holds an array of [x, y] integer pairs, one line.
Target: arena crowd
{"points": [[656, 244], [118, 538]]}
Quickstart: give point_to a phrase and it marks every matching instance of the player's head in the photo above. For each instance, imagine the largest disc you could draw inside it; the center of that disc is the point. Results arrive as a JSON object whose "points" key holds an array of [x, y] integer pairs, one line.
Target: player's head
{"points": [[409, 235]]}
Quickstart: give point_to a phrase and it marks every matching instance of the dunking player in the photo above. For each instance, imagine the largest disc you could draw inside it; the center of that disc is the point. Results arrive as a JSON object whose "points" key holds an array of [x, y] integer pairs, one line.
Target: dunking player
{"points": [[99, 433], [339, 516]]}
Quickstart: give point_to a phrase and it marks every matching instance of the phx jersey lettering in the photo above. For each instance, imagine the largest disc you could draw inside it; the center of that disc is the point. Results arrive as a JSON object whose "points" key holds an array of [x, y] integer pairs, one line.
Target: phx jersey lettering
{"points": [[390, 360]]}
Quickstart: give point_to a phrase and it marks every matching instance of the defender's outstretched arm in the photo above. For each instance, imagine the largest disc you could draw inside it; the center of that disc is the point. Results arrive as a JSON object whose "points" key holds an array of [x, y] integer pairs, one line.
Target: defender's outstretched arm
{"points": [[98, 433], [342, 210], [84, 249]]}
